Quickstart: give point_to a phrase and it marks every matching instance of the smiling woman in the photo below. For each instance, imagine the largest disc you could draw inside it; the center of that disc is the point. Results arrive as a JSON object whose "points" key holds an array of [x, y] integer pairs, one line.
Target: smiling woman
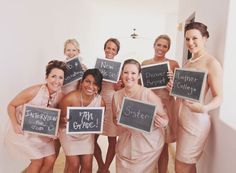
{"points": [[39, 150]]}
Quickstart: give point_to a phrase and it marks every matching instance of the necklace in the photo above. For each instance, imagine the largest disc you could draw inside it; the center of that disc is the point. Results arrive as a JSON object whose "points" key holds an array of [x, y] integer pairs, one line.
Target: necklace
{"points": [[132, 93], [82, 100], [191, 60]]}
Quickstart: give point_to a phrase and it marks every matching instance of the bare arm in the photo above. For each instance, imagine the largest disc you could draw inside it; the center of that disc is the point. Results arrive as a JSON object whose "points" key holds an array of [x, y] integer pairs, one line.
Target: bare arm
{"points": [[114, 110], [23, 97], [214, 81]]}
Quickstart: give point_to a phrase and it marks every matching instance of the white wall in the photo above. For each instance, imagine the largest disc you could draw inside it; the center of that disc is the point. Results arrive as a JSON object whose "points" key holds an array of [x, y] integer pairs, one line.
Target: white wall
{"points": [[218, 15], [33, 32]]}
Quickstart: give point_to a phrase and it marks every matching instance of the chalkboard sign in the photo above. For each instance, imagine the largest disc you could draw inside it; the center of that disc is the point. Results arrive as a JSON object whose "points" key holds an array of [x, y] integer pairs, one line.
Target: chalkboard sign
{"points": [[137, 115], [74, 71], [155, 76], [82, 120], [40, 120], [188, 84], [110, 69]]}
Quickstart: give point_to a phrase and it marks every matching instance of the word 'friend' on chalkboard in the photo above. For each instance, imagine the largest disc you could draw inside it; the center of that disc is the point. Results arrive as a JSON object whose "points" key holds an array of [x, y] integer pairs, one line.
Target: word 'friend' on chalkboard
{"points": [[110, 69], [74, 71], [154, 76], [137, 115], [82, 120], [40, 120], [188, 84]]}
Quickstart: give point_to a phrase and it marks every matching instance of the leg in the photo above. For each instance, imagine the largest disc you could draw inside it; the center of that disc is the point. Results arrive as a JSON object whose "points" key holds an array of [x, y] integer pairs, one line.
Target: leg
{"points": [[181, 167], [34, 166], [163, 160], [86, 163], [110, 153], [48, 163], [98, 154], [73, 163]]}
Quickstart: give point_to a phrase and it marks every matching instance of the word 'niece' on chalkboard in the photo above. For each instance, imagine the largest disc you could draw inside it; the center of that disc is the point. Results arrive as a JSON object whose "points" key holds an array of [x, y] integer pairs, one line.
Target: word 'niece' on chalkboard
{"points": [[110, 69], [40, 120], [83, 120], [74, 71], [188, 84], [155, 76], [137, 115]]}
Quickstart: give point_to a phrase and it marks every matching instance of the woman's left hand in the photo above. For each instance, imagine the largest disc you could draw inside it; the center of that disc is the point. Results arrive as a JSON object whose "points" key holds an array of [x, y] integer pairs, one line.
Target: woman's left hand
{"points": [[195, 107]]}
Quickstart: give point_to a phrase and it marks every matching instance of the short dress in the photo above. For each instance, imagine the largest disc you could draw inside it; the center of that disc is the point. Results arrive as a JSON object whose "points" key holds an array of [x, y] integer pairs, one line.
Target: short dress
{"points": [[109, 128], [33, 146], [79, 144], [169, 106], [137, 151], [192, 135]]}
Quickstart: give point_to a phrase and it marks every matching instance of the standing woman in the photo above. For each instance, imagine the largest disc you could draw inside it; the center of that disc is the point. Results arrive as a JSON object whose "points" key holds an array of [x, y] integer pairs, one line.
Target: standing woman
{"points": [[194, 120], [72, 50], [138, 151], [79, 148], [111, 49], [39, 149], [161, 47]]}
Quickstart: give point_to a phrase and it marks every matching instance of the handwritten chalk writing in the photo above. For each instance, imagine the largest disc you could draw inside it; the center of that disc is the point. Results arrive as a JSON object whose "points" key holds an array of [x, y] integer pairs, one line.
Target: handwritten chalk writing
{"points": [[73, 75], [104, 64], [37, 115], [188, 84], [134, 113], [187, 88], [40, 120], [110, 69], [85, 120], [155, 75]]}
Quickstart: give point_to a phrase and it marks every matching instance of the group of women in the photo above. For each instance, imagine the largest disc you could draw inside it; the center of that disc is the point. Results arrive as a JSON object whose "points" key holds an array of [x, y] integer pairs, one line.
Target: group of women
{"points": [[176, 120]]}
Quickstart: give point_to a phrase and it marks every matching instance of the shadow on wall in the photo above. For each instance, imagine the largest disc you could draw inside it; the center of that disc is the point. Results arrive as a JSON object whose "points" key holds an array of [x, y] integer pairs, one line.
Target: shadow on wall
{"points": [[220, 151]]}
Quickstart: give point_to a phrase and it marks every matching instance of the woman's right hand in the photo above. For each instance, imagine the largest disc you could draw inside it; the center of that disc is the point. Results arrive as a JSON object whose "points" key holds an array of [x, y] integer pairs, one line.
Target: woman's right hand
{"points": [[17, 129]]}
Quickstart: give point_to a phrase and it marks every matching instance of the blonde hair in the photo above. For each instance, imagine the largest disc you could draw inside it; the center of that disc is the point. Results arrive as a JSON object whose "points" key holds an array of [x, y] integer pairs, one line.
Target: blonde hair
{"points": [[72, 41], [165, 37]]}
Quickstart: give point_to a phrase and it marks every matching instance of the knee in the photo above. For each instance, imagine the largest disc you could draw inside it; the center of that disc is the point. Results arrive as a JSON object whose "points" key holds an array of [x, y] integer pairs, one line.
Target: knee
{"points": [[73, 164], [87, 167]]}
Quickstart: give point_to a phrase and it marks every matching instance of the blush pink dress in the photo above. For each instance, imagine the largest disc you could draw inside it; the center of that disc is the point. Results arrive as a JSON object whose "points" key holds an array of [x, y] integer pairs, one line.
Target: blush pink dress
{"points": [[33, 146], [79, 144], [192, 134], [109, 128], [169, 106], [137, 151]]}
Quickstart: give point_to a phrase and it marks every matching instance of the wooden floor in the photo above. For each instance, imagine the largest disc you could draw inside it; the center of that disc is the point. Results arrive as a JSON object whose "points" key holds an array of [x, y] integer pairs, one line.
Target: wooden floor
{"points": [[59, 165]]}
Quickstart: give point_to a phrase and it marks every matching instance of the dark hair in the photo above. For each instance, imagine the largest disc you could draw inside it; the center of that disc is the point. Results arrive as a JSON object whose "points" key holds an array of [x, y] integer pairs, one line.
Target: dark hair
{"points": [[166, 37], [132, 61], [115, 41], [97, 75], [199, 26], [55, 64]]}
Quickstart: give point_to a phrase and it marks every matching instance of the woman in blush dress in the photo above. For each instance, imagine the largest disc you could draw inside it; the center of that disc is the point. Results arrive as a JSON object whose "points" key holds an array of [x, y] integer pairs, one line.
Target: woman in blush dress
{"points": [[138, 151], [111, 49], [79, 148], [39, 149], [161, 47], [194, 120], [72, 50]]}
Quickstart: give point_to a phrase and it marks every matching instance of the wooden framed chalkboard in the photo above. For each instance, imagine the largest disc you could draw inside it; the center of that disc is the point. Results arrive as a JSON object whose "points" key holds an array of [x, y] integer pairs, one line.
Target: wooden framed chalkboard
{"points": [[40, 120], [189, 84], [74, 71], [82, 120], [110, 69], [154, 76], [137, 115]]}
